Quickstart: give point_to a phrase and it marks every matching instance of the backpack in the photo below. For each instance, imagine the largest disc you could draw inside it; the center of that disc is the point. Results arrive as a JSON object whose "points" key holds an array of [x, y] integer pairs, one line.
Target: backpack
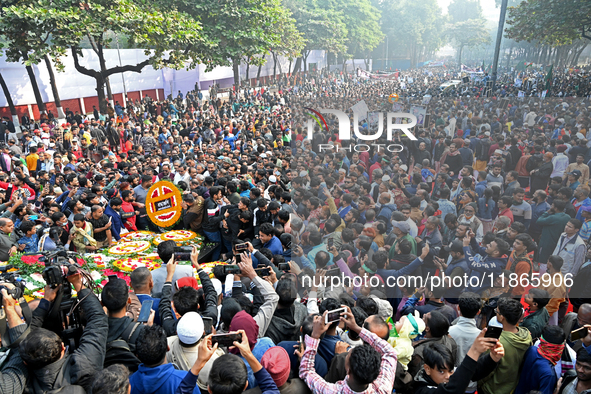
{"points": [[199, 209], [482, 149], [122, 349]]}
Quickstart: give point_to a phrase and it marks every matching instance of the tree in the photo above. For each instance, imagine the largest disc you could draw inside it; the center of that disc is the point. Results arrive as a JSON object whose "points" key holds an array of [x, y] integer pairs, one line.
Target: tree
{"points": [[321, 24], [463, 10], [362, 38], [468, 34], [169, 36], [551, 22], [28, 39], [235, 29], [8, 97], [414, 26], [290, 44]]}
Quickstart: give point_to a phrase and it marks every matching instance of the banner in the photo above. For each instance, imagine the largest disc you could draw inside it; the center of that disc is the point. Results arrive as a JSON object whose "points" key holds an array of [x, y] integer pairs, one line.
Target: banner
{"points": [[471, 70], [419, 113], [361, 109]]}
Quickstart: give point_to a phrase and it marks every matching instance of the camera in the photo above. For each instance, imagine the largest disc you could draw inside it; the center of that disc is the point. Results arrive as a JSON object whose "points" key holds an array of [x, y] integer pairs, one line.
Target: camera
{"points": [[14, 279], [57, 267]]}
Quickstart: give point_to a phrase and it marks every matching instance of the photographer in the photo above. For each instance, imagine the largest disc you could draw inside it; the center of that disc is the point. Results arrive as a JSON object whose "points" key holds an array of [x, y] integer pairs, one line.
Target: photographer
{"points": [[13, 374], [166, 308], [44, 353]]}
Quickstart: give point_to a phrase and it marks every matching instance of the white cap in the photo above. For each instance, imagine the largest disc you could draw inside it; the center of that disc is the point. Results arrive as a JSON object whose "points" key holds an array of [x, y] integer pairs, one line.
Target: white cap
{"points": [[263, 155], [386, 178], [217, 285], [190, 328], [272, 179]]}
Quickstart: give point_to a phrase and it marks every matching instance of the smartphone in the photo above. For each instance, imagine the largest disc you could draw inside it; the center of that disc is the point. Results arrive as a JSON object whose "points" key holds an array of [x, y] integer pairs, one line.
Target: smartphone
{"points": [[231, 269], [207, 324], [493, 332], [226, 340], [334, 315], [284, 267], [333, 272], [145, 311], [330, 243], [241, 247], [262, 272], [579, 333], [182, 253], [33, 217]]}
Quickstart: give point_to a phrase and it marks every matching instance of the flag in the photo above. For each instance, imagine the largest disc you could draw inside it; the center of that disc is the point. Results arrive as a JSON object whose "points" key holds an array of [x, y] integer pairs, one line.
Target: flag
{"points": [[548, 79]]}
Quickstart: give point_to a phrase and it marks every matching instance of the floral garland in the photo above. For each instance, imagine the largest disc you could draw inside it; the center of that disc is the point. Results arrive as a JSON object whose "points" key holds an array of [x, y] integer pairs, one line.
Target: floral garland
{"points": [[130, 264], [140, 246]]}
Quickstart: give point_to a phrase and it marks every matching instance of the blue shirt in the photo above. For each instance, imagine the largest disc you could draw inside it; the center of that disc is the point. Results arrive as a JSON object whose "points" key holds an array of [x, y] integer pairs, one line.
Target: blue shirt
{"points": [[30, 243], [538, 375]]}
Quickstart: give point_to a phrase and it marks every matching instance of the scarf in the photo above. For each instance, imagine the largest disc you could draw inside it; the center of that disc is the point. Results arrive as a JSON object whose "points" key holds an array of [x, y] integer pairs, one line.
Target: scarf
{"points": [[550, 351]]}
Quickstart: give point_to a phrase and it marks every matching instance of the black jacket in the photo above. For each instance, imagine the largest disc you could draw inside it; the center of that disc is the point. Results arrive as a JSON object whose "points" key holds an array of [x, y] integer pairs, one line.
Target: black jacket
{"points": [[79, 367], [209, 310], [213, 216], [468, 370]]}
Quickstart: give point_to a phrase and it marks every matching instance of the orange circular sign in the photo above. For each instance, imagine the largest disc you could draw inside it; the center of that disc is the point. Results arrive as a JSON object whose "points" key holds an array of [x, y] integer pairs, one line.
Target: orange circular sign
{"points": [[393, 97], [163, 204]]}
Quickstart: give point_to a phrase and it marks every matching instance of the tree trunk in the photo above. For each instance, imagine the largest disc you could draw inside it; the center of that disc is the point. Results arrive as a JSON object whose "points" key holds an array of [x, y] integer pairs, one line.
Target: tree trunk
{"points": [[100, 92], [11, 106], [274, 65], [289, 67], [33, 79], [248, 73], [235, 69], [509, 56], [460, 56], [103, 66], [297, 65], [576, 59], [305, 59], [56, 96]]}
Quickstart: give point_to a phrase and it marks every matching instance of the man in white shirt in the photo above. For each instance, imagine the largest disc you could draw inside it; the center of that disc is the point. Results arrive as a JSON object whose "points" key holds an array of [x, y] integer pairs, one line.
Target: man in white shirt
{"points": [[560, 162], [182, 175]]}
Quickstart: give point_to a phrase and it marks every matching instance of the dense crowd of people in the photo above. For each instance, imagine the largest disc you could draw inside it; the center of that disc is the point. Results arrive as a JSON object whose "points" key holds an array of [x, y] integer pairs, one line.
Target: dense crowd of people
{"points": [[358, 269]]}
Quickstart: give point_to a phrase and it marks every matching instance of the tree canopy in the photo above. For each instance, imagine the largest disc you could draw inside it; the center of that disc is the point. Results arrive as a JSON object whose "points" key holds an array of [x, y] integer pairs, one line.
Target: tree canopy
{"points": [[551, 22]]}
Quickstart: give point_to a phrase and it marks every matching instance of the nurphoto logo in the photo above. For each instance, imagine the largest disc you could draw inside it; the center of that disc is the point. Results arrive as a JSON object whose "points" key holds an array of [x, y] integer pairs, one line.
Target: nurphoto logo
{"points": [[393, 122]]}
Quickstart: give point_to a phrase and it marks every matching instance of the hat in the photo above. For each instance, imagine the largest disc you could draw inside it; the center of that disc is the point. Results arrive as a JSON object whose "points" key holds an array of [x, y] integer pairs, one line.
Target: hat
{"points": [[575, 173], [487, 133], [455, 246], [561, 148], [386, 178], [111, 193], [228, 160], [263, 155], [585, 208], [190, 328], [402, 226], [303, 174], [217, 285], [276, 362], [272, 179], [404, 167]]}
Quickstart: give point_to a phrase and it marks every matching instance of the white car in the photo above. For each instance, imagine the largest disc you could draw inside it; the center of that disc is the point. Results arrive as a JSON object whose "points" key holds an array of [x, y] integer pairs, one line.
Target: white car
{"points": [[452, 82]]}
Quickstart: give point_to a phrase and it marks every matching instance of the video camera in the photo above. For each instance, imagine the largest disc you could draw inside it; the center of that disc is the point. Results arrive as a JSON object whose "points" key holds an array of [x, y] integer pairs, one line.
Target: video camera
{"points": [[57, 266], [13, 278], [64, 316]]}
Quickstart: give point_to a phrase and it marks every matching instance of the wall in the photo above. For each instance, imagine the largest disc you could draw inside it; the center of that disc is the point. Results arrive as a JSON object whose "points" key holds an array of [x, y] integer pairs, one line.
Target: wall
{"points": [[73, 86]]}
